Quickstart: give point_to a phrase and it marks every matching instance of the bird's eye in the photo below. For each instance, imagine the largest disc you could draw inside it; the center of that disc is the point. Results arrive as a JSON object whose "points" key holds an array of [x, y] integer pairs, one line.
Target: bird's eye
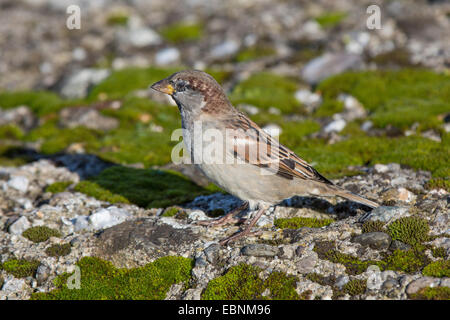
{"points": [[181, 86]]}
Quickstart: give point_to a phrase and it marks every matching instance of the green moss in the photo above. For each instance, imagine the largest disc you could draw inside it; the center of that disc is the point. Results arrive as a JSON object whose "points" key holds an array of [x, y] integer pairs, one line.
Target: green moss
{"points": [[398, 98], [300, 222], [282, 286], [355, 287], [170, 212], [266, 90], [242, 282], [100, 280], [329, 107], [121, 82], [373, 226], [239, 283], [409, 261], [118, 18], [59, 186], [439, 252], [58, 250], [439, 183], [410, 230], [20, 268], [331, 19], [326, 251], [436, 293], [40, 233], [144, 187], [397, 57], [11, 131], [255, 52], [40, 102], [182, 32], [321, 279], [439, 268]]}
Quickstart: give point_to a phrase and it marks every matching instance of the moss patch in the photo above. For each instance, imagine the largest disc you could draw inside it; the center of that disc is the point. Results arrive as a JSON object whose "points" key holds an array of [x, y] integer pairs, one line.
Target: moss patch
{"points": [[242, 282], [59, 186], [255, 52], [40, 233], [58, 250], [20, 268], [100, 280], [182, 32], [330, 19], [373, 226], [437, 293], [146, 188], [355, 287], [300, 222], [439, 268], [259, 90], [40, 102], [410, 230]]}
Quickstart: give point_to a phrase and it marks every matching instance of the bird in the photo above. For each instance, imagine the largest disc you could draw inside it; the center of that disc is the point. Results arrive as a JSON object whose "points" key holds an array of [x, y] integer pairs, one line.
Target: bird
{"points": [[252, 165]]}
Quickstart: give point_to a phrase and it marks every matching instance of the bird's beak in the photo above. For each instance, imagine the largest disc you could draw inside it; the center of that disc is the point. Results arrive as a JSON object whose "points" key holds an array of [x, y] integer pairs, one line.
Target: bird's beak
{"points": [[163, 86]]}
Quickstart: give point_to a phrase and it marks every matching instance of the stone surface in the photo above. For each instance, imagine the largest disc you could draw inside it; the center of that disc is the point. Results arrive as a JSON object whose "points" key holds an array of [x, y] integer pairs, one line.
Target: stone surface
{"points": [[375, 240]]}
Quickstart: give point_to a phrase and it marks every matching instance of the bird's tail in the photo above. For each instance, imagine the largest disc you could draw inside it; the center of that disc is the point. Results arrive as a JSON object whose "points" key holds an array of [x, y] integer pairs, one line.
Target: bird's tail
{"points": [[354, 197]]}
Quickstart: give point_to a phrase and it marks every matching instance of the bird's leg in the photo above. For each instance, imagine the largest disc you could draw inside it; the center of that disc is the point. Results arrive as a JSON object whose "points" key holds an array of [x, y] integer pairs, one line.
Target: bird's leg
{"points": [[246, 231], [226, 219]]}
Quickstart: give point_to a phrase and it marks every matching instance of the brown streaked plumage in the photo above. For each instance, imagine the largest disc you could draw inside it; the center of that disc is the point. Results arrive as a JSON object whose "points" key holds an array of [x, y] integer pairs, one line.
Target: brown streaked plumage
{"points": [[263, 179]]}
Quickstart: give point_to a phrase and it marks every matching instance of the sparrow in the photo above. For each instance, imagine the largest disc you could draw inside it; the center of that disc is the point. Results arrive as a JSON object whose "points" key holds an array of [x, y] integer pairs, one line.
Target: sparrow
{"points": [[261, 179]]}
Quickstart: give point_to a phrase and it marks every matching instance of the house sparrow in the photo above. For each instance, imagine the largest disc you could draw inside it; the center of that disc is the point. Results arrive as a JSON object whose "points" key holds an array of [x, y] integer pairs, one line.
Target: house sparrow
{"points": [[262, 178]]}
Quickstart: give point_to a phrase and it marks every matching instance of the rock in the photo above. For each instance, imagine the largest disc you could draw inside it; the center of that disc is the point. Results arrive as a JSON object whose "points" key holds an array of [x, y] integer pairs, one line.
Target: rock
{"points": [[273, 129], [19, 183], [42, 273], [381, 168], [310, 100], [225, 49], [307, 263], [421, 283], [335, 126], [374, 240], [167, 56], [353, 109], [212, 253], [341, 281], [329, 64], [197, 215], [86, 117], [19, 226], [12, 285], [385, 214], [106, 218], [398, 245], [21, 116], [259, 250], [77, 85]]}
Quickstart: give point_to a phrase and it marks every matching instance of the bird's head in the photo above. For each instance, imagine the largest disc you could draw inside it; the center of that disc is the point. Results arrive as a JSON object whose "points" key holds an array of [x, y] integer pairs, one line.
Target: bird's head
{"points": [[195, 91]]}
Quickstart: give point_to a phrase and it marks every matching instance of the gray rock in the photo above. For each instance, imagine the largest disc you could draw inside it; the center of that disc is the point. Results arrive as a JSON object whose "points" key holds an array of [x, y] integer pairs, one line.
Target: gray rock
{"points": [[19, 226], [259, 250], [19, 183], [329, 64], [12, 285], [375, 240], [21, 116], [398, 245], [385, 214], [421, 283], [78, 84], [86, 117], [335, 126], [212, 253], [341, 281], [42, 273], [224, 49], [139, 37], [307, 264], [106, 218], [167, 56]]}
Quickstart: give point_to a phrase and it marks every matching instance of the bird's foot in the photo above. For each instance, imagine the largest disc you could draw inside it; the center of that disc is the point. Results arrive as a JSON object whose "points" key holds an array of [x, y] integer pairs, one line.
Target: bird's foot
{"points": [[246, 232], [229, 218]]}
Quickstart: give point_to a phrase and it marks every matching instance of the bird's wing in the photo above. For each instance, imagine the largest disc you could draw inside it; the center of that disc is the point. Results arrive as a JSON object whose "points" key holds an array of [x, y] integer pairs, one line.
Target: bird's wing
{"points": [[253, 145]]}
